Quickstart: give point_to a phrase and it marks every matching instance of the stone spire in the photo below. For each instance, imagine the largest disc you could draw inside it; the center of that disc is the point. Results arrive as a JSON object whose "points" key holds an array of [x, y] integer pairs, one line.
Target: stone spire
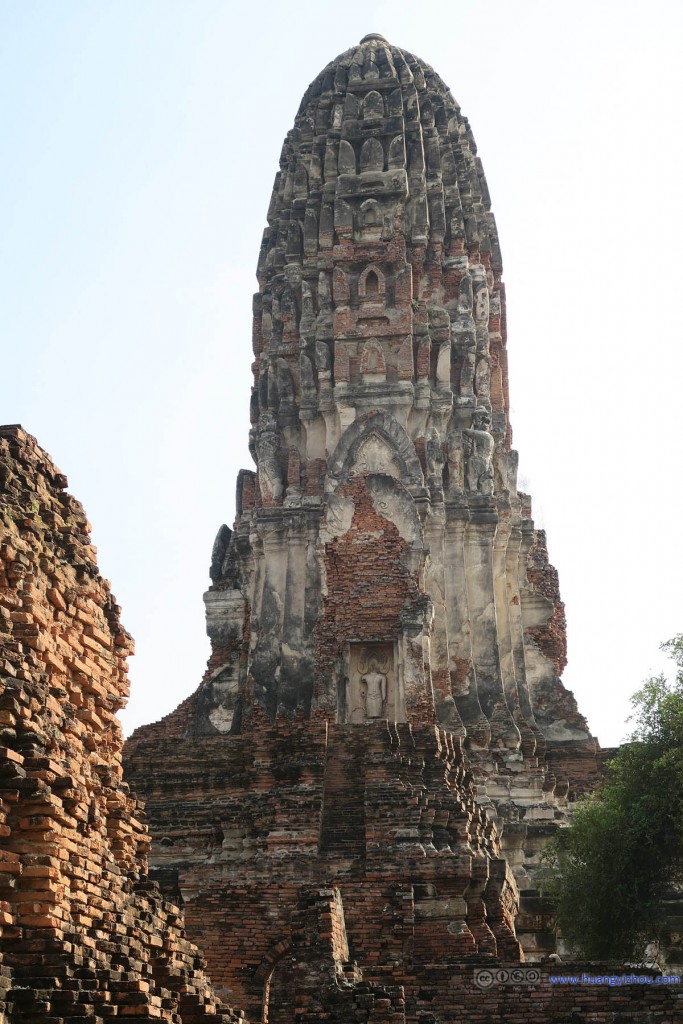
{"points": [[383, 600], [378, 564]]}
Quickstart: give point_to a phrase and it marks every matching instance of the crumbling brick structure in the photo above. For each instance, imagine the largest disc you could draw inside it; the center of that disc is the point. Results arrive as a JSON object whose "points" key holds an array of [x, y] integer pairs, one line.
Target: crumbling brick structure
{"points": [[84, 933], [386, 814]]}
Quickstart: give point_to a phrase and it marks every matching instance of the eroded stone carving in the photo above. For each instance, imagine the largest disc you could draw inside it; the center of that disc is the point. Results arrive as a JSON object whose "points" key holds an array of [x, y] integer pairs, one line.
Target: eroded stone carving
{"points": [[308, 317], [371, 683], [372, 361], [285, 385], [324, 293], [464, 336], [374, 455], [455, 458], [435, 460], [308, 390], [219, 551], [479, 445], [268, 458], [374, 688]]}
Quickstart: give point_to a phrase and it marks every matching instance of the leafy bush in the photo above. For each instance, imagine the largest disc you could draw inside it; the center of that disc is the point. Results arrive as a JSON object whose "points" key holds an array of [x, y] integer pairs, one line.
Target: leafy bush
{"points": [[623, 850]]}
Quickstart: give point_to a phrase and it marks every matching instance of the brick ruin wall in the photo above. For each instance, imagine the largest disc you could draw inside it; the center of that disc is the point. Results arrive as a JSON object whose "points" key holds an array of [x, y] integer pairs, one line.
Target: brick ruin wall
{"points": [[387, 815], [373, 824], [278, 839], [84, 934]]}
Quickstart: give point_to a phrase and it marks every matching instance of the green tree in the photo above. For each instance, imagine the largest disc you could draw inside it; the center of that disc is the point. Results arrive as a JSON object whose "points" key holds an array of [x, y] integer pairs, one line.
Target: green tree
{"points": [[610, 870]]}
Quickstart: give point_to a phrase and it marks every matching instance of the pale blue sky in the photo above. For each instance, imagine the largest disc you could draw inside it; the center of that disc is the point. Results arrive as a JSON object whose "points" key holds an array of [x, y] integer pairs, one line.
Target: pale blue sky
{"points": [[140, 139]]}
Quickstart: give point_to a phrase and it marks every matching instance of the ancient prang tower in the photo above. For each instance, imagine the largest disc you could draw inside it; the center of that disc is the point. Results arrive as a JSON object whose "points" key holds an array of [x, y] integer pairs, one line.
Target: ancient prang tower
{"points": [[378, 568], [381, 743], [346, 818]]}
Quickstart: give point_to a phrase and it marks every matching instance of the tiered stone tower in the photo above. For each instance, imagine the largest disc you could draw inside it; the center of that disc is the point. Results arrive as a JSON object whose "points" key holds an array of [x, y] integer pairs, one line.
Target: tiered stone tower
{"points": [[351, 802], [378, 564], [384, 602]]}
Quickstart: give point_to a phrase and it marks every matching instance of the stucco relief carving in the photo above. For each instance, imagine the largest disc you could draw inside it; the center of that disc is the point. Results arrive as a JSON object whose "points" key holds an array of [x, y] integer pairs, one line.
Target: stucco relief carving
{"points": [[455, 461], [464, 336], [374, 455], [268, 453], [338, 518], [385, 428], [434, 459], [372, 362], [479, 450]]}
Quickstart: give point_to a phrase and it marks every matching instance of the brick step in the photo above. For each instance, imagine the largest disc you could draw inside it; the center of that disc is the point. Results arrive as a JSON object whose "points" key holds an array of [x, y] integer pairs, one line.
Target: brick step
{"points": [[343, 820]]}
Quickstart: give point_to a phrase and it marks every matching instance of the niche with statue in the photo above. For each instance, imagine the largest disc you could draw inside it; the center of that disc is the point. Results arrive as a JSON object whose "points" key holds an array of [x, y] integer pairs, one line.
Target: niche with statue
{"points": [[371, 683]]}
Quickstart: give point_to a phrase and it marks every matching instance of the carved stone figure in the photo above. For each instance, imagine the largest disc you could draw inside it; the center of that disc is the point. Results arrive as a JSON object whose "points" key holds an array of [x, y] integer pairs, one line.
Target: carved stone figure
{"points": [[308, 391], [467, 370], [263, 385], [512, 470], [423, 358], [455, 461], [277, 317], [268, 458], [434, 458], [220, 547], [464, 336], [285, 383], [307, 322], [267, 328], [375, 690], [340, 287], [287, 302], [479, 450], [322, 357], [481, 302], [483, 379], [324, 292], [372, 362], [465, 296]]}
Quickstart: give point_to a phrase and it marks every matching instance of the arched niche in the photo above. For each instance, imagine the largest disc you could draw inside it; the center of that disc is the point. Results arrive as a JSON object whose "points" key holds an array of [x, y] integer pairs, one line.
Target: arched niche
{"points": [[372, 284], [398, 446], [370, 221], [301, 183], [372, 156], [274, 976], [346, 160], [397, 153], [373, 365], [373, 106], [374, 544]]}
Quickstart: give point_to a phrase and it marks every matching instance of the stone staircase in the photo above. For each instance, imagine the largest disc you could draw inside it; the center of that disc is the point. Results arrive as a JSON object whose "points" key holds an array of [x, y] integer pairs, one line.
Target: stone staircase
{"points": [[343, 819]]}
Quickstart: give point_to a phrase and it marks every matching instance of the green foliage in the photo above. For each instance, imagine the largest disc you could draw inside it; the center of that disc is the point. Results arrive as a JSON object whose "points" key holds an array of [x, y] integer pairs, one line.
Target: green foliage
{"points": [[609, 870]]}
